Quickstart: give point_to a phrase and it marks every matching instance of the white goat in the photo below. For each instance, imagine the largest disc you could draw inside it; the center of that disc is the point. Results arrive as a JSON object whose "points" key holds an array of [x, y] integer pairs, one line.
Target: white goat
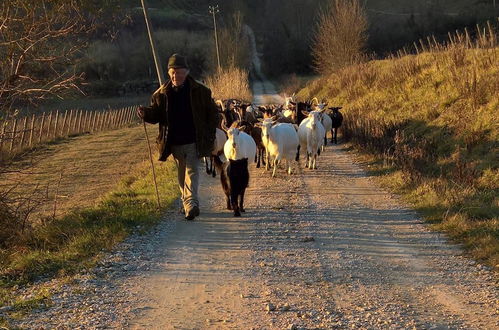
{"points": [[239, 145], [281, 142], [326, 121], [311, 134], [218, 150]]}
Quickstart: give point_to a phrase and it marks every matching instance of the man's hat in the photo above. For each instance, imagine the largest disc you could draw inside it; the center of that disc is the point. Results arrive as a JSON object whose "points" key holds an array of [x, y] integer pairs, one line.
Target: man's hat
{"points": [[177, 61]]}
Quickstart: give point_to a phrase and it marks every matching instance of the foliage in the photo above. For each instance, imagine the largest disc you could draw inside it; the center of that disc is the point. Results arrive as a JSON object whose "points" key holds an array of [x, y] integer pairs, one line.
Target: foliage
{"points": [[234, 44], [341, 36], [230, 83], [430, 119]]}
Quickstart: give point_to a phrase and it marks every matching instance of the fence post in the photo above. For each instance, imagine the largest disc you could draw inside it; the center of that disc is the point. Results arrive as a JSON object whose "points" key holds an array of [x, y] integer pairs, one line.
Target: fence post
{"points": [[63, 128], [49, 126], [101, 121], [31, 130], [2, 136], [23, 135], [78, 128], [40, 131], [14, 131], [69, 122], [56, 122]]}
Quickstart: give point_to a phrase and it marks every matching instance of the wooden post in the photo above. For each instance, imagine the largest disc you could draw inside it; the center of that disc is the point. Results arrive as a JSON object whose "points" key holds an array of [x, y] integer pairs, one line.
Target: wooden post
{"points": [[56, 123], [2, 136], [50, 125], [92, 122], [40, 131], [64, 118], [68, 131], [85, 121], [100, 122], [78, 130], [14, 131], [23, 135], [31, 130], [75, 124]]}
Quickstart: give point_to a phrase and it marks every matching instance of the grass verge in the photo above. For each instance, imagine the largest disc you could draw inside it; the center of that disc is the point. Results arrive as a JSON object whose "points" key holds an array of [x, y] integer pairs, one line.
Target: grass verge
{"points": [[66, 245]]}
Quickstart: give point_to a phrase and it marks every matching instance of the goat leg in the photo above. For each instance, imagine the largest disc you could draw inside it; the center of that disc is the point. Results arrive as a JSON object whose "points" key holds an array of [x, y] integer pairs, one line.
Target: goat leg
{"points": [[235, 207], [241, 201]]}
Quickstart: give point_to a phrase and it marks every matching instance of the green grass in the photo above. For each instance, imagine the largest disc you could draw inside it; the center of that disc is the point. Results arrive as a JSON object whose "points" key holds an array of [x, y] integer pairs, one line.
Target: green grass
{"points": [[428, 124], [66, 245]]}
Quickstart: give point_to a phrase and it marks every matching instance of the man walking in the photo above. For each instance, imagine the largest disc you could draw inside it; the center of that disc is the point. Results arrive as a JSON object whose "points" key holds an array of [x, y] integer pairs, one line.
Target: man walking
{"points": [[187, 118]]}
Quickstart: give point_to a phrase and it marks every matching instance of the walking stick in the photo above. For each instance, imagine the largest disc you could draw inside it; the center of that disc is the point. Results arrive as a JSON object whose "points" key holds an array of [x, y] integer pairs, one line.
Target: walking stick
{"points": [[152, 164], [159, 71]]}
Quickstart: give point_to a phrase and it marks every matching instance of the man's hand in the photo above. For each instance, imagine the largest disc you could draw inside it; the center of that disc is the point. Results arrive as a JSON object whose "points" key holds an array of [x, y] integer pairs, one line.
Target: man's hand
{"points": [[141, 112]]}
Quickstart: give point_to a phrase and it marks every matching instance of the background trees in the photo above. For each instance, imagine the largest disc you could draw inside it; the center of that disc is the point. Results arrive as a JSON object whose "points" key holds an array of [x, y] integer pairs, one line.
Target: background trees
{"points": [[341, 36]]}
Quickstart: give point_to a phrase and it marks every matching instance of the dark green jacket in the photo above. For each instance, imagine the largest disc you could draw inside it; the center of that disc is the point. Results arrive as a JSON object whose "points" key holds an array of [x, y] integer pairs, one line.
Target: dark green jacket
{"points": [[204, 113]]}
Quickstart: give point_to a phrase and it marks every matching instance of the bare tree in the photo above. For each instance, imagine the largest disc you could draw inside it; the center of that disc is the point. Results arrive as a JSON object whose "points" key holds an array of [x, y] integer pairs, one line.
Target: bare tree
{"points": [[341, 36], [39, 42]]}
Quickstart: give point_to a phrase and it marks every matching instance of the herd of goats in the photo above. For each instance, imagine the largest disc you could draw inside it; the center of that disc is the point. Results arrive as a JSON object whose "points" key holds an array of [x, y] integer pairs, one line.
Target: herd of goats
{"points": [[268, 134]]}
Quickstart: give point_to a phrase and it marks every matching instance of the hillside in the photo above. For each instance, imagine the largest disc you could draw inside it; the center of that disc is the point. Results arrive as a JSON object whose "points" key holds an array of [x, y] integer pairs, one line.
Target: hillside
{"points": [[431, 122]]}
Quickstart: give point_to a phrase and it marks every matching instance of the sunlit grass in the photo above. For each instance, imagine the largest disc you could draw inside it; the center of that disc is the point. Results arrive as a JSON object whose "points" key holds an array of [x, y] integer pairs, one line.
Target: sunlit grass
{"points": [[75, 241], [430, 122]]}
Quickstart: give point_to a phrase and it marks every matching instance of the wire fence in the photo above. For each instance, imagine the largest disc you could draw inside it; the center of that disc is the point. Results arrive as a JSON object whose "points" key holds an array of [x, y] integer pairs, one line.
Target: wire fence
{"points": [[21, 134]]}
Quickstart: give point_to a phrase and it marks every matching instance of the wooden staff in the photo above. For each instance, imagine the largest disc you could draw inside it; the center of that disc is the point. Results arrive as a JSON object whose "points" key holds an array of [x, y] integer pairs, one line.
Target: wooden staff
{"points": [[159, 71]]}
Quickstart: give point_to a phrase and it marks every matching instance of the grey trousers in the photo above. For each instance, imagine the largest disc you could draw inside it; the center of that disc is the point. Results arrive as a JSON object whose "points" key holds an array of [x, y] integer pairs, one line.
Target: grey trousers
{"points": [[188, 174]]}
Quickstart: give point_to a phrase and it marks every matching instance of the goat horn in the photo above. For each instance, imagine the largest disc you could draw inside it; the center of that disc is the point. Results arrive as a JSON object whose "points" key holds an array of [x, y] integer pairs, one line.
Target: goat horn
{"points": [[221, 104]]}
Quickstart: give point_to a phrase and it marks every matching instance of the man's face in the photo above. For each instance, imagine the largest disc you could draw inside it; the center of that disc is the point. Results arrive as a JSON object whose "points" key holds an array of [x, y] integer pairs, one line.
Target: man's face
{"points": [[178, 75]]}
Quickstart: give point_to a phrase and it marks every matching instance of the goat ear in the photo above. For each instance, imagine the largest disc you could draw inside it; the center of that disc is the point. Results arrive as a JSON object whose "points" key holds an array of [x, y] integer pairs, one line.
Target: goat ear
{"points": [[305, 112]]}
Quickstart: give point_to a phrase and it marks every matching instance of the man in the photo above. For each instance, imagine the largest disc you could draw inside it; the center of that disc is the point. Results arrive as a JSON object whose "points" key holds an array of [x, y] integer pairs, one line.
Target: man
{"points": [[187, 118]]}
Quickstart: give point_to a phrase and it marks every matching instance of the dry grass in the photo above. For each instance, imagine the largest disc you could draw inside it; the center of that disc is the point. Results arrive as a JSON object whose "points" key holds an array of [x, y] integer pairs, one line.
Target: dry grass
{"points": [[431, 120], [81, 169], [93, 191]]}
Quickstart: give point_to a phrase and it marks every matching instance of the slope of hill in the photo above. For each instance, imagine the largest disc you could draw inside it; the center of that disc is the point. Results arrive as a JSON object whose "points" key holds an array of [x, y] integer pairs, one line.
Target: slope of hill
{"points": [[431, 121]]}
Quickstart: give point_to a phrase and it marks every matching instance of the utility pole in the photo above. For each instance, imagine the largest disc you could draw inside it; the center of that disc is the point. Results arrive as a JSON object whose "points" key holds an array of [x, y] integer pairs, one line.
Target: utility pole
{"points": [[214, 10]]}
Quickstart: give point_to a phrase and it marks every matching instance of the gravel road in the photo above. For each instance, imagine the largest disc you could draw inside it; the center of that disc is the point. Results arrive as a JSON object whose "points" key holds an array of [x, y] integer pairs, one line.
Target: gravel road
{"points": [[323, 249]]}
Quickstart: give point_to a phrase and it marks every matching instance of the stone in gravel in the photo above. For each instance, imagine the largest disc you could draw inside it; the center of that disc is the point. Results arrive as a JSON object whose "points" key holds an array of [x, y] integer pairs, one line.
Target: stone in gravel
{"points": [[292, 327], [285, 307], [307, 239], [269, 307]]}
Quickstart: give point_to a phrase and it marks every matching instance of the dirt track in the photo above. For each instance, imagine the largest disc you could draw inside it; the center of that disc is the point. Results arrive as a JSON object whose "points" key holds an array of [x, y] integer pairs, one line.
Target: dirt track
{"points": [[326, 248]]}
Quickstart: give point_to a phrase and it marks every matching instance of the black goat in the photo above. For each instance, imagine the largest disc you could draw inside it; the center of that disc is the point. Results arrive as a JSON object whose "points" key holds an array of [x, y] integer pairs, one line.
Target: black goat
{"points": [[337, 119], [234, 178]]}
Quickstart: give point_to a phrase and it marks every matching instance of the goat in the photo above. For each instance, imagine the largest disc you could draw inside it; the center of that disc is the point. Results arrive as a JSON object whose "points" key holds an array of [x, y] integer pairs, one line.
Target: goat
{"points": [[281, 142], [256, 133], [234, 176], [218, 149], [298, 108], [311, 134], [336, 121], [325, 119], [239, 144]]}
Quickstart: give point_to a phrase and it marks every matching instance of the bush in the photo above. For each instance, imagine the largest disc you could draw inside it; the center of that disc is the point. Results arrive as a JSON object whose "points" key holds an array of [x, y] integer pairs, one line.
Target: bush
{"points": [[231, 83]]}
